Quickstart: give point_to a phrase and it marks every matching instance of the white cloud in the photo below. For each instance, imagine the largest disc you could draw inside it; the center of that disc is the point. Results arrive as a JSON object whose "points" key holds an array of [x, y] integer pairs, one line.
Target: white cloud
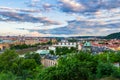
{"points": [[2, 8], [72, 4]]}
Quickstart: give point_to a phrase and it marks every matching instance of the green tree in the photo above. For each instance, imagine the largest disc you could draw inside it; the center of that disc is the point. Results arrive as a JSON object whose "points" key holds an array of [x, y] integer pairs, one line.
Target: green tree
{"points": [[104, 70], [70, 68], [52, 52], [34, 56], [7, 59], [7, 76]]}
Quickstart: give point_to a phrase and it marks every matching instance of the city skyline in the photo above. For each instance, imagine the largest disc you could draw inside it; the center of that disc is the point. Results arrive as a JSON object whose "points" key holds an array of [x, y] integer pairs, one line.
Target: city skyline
{"points": [[59, 17]]}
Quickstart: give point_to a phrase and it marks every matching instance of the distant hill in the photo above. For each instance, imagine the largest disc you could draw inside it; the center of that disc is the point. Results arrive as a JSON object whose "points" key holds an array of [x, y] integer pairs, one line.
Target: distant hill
{"points": [[113, 36], [86, 37]]}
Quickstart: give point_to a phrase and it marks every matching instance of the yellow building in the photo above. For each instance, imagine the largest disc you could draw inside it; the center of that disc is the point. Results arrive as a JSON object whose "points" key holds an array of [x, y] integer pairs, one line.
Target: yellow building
{"points": [[4, 46], [48, 62], [118, 48]]}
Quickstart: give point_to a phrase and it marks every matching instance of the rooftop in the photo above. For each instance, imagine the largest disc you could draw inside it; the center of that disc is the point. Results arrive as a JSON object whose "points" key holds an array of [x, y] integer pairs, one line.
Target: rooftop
{"points": [[87, 44], [42, 52]]}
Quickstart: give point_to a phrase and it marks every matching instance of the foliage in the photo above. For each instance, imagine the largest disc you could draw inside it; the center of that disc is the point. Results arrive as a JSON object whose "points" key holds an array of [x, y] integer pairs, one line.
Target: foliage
{"points": [[22, 68], [108, 56], [34, 56], [47, 43], [72, 70], [113, 36], [72, 40], [52, 52], [74, 66], [7, 59], [23, 46], [7, 76], [104, 70], [65, 50]]}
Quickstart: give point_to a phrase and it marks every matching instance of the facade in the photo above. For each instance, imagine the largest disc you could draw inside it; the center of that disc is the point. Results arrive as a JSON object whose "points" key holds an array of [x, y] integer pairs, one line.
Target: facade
{"points": [[111, 44], [87, 46], [52, 48], [4, 46], [32, 42], [67, 44], [49, 60], [94, 49], [54, 41], [80, 47]]}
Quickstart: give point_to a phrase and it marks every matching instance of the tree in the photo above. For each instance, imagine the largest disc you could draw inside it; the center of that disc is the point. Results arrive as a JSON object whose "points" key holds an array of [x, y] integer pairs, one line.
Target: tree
{"points": [[118, 57], [7, 59], [104, 70], [34, 56], [108, 56], [68, 68], [64, 50], [72, 40], [52, 52], [7, 76], [23, 68], [27, 68]]}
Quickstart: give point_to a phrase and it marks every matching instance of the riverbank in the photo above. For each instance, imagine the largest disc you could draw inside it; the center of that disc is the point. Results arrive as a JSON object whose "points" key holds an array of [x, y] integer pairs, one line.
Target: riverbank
{"points": [[23, 51]]}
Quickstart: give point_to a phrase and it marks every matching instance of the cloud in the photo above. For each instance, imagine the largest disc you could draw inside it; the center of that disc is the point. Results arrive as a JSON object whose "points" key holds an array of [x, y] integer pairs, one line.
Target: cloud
{"points": [[19, 10], [33, 3], [78, 27], [47, 6], [71, 5], [23, 17], [80, 6], [65, 17], [37, 34]]}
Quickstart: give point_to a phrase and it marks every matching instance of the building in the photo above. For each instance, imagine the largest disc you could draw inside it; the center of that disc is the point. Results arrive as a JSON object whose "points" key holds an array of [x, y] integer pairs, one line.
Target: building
{"points": [[53, 40], [49, 60], [32, 42], [79, 46], [53, 48], [42, 52], [87, 46], [4, 46], [67, 44]]}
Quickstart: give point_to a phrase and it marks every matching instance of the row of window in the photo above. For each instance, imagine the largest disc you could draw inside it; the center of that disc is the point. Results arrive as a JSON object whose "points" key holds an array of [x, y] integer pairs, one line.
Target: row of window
{"points": [[67, 43], [50, 62]]}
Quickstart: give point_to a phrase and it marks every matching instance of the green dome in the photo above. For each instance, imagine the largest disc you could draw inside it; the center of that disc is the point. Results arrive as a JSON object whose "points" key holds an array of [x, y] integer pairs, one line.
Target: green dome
{"points": [[42, 52], [87, 44]]}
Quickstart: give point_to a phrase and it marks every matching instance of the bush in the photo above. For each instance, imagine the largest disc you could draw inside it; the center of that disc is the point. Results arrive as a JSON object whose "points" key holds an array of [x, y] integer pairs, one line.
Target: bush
{"points": [[104, 70]]}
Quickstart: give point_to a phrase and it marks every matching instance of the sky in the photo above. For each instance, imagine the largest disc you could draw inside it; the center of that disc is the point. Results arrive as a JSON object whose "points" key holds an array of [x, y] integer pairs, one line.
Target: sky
{"points": [[61, 18]]}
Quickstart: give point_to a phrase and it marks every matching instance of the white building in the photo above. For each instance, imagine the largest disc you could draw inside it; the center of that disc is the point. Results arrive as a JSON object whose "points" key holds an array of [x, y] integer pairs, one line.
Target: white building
{"points": [[67, 44], [79, 47], [52, 48]]}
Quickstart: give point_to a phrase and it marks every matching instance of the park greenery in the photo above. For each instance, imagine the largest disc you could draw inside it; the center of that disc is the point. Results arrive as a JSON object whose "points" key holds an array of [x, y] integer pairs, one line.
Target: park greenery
{"points": [[113, 36], [72, 40], [22, 46], [76, 66], [25, 46], [63, 50]]}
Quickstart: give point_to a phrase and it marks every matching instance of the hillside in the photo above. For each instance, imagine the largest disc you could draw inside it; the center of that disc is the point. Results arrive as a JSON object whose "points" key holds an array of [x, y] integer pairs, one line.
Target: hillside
{"points": [[113, 36]]}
